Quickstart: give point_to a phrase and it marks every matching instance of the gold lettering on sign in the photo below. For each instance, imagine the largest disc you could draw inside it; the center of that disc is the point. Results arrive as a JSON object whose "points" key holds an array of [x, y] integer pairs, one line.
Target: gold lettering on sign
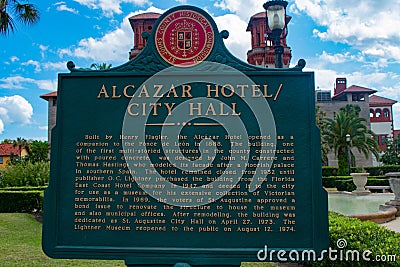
{"points": [[108, 197]]}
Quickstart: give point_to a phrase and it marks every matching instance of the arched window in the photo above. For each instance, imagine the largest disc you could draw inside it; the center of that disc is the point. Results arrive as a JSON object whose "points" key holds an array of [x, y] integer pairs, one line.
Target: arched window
{"points": [[371, 113], [378, 113], [386, 113]]}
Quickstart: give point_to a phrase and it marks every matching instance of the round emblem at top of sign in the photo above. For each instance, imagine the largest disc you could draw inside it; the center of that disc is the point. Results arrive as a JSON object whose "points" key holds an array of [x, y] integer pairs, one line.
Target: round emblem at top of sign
{"points": [[184, 38]]}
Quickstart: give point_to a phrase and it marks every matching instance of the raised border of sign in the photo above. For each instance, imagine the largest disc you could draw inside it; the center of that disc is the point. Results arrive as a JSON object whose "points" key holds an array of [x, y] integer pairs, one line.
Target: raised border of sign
{"points": [[147, 63]]}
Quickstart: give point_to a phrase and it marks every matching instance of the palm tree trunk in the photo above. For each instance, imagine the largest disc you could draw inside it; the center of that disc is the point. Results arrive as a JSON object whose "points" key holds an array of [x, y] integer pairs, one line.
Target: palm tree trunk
{"points": [[342, 161]]}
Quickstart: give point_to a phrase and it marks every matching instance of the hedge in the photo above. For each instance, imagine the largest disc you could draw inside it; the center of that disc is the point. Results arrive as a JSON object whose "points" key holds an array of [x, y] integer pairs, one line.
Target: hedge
{"points": [[332, 171], [21, 201], [373, 171], [354, 234], [382, 170], [24, 188], [345, 183], [330, 182]]}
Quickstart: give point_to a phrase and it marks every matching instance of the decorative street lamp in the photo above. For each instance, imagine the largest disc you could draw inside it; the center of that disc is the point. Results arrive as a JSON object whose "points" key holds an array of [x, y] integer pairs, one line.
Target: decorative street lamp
{"points": [[348, 152], [276, 22]]}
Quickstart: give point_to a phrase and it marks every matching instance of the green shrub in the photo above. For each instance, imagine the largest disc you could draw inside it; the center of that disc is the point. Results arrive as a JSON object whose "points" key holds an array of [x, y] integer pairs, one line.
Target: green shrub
{"points": [[333, 171], [378, 182], [345, 185], [331, 182], [20, 201], [382, 170], [26, 173], [360, 236], [25, 188], [329, 171]]}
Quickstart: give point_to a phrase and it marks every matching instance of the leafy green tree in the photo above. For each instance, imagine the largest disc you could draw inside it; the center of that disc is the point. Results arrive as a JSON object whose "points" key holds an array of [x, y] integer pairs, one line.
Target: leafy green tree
{"points": [[319, 116], [392, 153], [98, 66], [23, 12], [38, 151], [352, 110], [20, 143], [335, 131]]}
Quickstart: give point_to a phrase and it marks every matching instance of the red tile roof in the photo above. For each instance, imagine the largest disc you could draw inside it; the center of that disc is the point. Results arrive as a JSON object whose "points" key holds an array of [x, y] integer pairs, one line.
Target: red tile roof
{"points": [[7, 149], [148, 15], [355, 89], [378, 100], [359, 89], [47, 96]]}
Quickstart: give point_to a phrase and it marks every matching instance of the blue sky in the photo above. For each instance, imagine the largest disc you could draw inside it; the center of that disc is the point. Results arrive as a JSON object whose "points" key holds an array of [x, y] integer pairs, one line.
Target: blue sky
{"points": [[358, 40]]}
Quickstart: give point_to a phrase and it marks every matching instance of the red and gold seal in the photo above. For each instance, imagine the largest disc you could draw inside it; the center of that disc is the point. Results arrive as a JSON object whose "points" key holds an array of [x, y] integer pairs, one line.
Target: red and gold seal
{"points": [[184, 38]]}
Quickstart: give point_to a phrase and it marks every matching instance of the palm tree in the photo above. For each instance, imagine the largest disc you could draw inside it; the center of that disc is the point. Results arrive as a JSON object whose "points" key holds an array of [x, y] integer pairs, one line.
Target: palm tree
{"points": [[335, 131], [21, 143], [319, 117], [99, 66], [25, 13]]}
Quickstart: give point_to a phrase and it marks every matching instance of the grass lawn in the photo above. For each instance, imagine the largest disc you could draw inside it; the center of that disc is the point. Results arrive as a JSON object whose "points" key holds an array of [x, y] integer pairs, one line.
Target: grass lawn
{"points": [[20, 245]]}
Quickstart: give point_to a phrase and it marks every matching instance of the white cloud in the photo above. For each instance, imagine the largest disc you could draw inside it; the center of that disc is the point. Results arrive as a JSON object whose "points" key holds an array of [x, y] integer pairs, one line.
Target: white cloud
{"points": [[55, 65], [61, 6], [368, 25], [19, 82], [34, 63], [340, 58], [244, 9], [237, 42], [106, 48], [14, 82], [46, 65], [110, 7], [43, 127], [1, 126], [396, 112], [14, 59], [15, 109]]}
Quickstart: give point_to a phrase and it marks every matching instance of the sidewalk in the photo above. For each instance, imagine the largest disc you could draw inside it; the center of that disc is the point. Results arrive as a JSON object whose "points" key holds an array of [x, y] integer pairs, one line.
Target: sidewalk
{"points": [[393, 225]]}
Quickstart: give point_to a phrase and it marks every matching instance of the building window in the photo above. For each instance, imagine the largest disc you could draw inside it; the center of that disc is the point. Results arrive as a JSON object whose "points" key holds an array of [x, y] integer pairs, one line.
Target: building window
{"points": [[384, 140], [378, 113], [358, 97], [386, 113], [1, 160], [371, 113], [324, 96], [381, 139], [258, 39]]}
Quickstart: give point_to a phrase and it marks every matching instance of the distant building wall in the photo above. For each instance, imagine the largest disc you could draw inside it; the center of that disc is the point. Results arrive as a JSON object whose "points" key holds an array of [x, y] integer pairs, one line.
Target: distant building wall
{"points": [[330, 109]]}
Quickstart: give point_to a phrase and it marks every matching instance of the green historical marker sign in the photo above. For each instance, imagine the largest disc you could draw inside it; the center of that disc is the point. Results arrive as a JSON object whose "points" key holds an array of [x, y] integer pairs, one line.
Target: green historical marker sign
{"points": [[185, 155]]}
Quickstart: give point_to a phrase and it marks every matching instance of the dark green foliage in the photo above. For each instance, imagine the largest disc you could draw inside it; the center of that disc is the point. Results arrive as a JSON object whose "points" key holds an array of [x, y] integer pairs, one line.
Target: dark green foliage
{"points": [[392, 153], [331, 182], [378, 181], [38, 151], [20, 201], [373, 171], [346, 122], [382, 170], [360, 236], [329, 171], [345, 183], [23, 12], [25, 188], [25, 173]]}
